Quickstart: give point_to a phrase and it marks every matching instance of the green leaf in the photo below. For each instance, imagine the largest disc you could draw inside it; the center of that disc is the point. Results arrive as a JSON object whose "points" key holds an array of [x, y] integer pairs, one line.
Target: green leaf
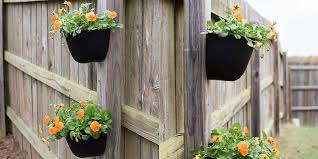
{"points": [[264, 135], [88, 130], [85, 137]]}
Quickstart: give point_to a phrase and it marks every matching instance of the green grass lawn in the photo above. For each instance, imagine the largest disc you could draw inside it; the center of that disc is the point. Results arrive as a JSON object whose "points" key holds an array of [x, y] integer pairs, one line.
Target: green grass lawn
{"points": [[298, 143]]}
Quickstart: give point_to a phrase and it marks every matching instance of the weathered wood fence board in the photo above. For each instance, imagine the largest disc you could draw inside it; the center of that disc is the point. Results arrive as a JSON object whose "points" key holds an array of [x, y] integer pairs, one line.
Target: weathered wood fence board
{"points": [[2, 102], [304, 89]]}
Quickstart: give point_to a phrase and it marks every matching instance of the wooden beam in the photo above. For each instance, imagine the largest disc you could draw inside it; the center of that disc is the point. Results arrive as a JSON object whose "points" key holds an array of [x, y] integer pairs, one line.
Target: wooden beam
{"points": [[110, 78], [266, 82], [2, 106], [276, 87], [22, 1], [172, 148], [225, 112], [305, 87], [32, 138], [146, 126], [255, 94], [195, 75], [286, 116], [303, 67], [304, 108], [131, 118]]}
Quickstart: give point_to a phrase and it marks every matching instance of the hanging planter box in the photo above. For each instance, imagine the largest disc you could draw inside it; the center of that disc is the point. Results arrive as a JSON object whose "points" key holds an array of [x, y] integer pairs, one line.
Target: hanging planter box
{"points": [[89, 45], [226, 58], [88, 148]]}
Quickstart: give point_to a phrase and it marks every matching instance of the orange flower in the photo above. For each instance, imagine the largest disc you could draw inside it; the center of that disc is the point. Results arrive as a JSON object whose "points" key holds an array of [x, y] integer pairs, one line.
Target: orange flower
{"points": [[68, 3], [242, 147], [82, 103], [245, 130], [264, 156], [57, 25], [91, 16], [271, 26], [46, 119], [56, 120], [95, 126], [235, 6], [59, 126], [79, 12], [112, 15], [239, 16], [272, 141], [52, 130], [54, 17], [217, 138], [62, 10], [256, 138], [80, 113], [276, 151]]}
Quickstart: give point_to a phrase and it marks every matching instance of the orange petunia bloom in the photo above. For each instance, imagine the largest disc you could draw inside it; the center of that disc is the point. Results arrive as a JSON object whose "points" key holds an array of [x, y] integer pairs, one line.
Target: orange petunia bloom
{"points": [[235, 6], [272, 141], [57, 25], [264, 156], [217, 138], [276, 151], [239, 16], [90, 16], [112, 15], [53, 130], [56, 120], [46, 119], [242, 148], [245, 130], [271, 26], [68, 3], [59, 126], [82, 103], [95, 126], [54, 17], [80, 113], [62, 10]]}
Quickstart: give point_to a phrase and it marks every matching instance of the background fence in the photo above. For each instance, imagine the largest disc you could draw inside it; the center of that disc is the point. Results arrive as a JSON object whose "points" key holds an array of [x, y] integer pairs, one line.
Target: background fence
{"points": [[304, 86], [154, 77]]}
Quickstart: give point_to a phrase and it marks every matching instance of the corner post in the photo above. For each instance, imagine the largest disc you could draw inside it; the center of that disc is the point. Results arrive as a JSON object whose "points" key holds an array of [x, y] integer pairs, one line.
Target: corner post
{"points": [[2, 103], [276, 87], [110, 78]]}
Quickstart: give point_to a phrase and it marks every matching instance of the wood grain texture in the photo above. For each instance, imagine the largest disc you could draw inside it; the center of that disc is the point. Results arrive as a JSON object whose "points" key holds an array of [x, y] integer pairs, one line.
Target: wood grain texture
{"points": [[255, 95], [21, 1], [276, 88], [173, 148], [110, 79], [2, 100]]}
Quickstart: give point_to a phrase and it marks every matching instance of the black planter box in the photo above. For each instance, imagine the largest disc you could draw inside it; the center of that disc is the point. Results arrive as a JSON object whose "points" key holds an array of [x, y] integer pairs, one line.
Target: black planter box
{"points": [[226, 58], [89, 45], [88, 148]]}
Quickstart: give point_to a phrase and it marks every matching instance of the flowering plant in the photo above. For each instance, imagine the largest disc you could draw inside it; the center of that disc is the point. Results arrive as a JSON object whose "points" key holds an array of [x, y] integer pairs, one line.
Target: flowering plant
{"points": [[70, 22], [79, 121], [237, 143], [235, 24]]}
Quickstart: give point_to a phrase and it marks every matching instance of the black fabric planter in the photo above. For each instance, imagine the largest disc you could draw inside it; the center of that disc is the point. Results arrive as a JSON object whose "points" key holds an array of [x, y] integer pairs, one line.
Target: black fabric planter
{"points": [[89, 45], [88, 148], [226, 58]]}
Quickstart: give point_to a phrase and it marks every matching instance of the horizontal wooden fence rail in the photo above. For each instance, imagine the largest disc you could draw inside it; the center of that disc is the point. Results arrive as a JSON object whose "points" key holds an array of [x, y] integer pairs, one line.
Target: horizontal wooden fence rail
{"points": [[303, 67], [142, 124], [22, 1], [33, 139], [307, 87], [172, 148], [266, 82], [304, 108]]}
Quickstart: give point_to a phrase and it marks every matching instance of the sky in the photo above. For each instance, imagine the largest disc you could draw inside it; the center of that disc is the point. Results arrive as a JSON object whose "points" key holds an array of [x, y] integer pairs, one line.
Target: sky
{"points": [[297, 23]]}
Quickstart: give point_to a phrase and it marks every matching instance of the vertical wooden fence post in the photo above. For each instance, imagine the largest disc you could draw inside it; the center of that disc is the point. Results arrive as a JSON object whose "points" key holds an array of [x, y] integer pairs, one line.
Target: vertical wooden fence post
{"points": [[195, 76], [286, 87], [276, 88], [110, 79], [255, 94], [2, 106]]}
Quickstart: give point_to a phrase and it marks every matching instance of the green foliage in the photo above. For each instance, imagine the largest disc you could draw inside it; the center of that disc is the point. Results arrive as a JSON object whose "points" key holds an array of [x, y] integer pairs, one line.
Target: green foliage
{"points": [[227, 147], [256, 35], [78, 127], [73, 22]]}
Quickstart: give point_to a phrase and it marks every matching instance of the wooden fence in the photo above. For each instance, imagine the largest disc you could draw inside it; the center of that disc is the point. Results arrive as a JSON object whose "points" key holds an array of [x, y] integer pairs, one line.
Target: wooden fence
{"points": [[304, 87], [153, 79]]}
